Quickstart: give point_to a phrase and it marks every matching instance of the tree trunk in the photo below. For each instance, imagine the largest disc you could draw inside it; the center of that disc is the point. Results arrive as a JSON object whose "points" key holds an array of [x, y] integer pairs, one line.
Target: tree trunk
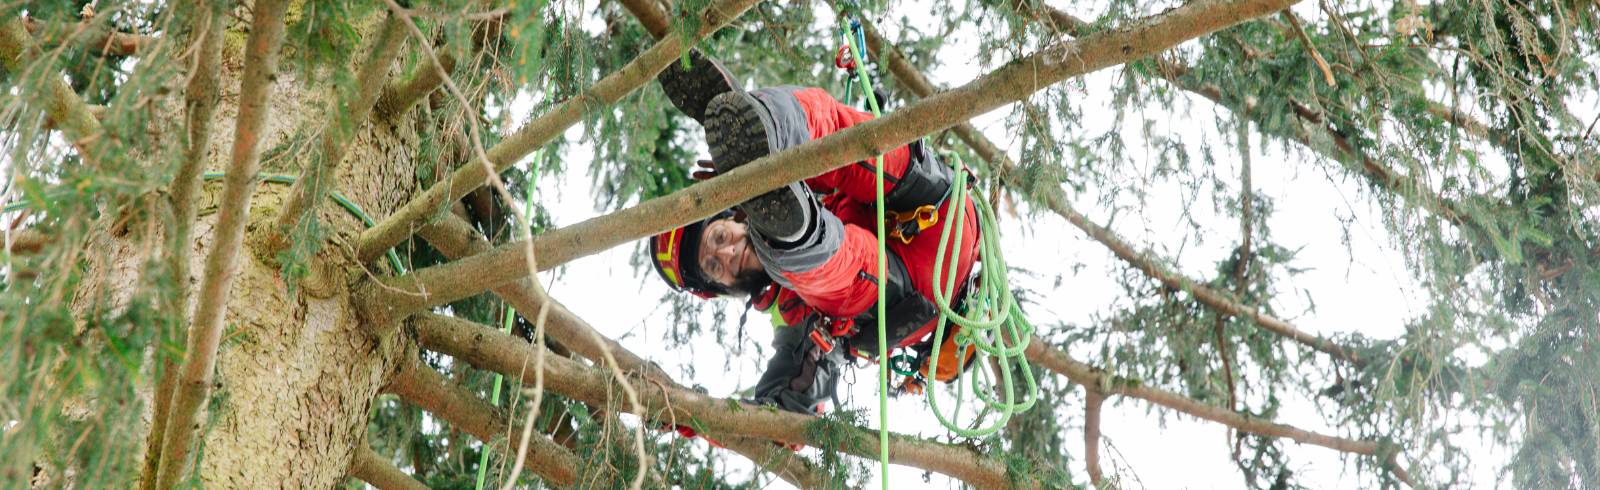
{"points": [[297, 371]]}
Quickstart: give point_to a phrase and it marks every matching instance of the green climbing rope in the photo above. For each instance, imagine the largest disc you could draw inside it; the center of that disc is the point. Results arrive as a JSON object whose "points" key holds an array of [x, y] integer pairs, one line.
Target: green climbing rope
{"points": [[856, 52], [993, 323]]}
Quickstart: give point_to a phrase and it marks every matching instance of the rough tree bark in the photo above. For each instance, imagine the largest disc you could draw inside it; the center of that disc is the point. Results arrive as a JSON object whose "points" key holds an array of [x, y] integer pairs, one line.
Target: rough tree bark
{"points": [[297, 370]]}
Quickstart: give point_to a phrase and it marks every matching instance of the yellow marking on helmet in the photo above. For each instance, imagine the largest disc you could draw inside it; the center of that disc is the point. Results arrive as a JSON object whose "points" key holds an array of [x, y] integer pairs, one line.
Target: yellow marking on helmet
{"points": [[673, 276], [672, 242]]}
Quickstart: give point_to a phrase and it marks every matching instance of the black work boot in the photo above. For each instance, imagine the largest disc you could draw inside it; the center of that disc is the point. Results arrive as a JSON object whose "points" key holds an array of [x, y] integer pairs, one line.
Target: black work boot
{"points": [[741, 128], [690, 90]]}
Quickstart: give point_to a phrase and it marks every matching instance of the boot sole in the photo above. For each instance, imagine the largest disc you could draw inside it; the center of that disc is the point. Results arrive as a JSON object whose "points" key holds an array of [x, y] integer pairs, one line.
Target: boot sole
{"points": [[736, 130], [691, 90]]}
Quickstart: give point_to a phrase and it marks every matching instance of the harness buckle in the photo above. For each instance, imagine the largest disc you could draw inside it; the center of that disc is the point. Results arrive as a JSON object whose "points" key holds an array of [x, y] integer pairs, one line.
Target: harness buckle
{"points": [[906, 225]]}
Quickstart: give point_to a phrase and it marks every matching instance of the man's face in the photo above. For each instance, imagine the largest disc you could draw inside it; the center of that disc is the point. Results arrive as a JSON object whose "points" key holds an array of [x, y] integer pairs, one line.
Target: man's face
{"points": [[726, 258]]}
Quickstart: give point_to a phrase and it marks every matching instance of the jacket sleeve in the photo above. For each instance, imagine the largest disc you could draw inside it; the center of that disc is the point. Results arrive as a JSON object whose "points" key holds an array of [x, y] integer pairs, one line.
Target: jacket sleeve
{"points": [[799, 377]]}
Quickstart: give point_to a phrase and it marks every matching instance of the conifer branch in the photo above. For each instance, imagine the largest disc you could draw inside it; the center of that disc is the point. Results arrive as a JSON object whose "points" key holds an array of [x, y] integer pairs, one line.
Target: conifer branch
{"points": [[397, 99], [205, 331], [200, 104], [97, 39], [912, 78], [1466, 122], [538, 132], [1342, 149], [63, 107], [1055, 360], [454, 238], [354, 105], [1310, 47], [420, 385], [28, 241], [651, 17], [1093, 401], [369, 467], [402, 296], [490, 349]]}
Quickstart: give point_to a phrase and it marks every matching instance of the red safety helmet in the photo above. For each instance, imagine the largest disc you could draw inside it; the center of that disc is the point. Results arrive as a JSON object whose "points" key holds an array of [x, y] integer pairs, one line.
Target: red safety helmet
{"points": [[682, 272]]}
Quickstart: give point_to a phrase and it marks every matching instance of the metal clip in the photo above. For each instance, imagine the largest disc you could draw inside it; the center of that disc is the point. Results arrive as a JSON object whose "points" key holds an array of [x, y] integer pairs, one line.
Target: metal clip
{"points": [[922, 218]]}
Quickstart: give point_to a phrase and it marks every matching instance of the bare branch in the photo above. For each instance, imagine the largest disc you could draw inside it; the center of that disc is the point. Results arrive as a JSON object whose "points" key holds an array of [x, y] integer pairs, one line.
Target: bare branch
{"points": [[200, 104], [93, 37], [397, 99], [453, 237], [427, 389], [1305, 42], [369, 467], [490, 349], [28, 241], [205, 331], [1093, 400], [538, 132], [355, 104], [63, 107], [1017, 79], [1055, 360]]}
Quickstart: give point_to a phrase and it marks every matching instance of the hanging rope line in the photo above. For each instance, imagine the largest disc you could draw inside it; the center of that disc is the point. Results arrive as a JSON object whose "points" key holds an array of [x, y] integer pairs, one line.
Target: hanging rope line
{"points": [[992, 323], [857, 54]]}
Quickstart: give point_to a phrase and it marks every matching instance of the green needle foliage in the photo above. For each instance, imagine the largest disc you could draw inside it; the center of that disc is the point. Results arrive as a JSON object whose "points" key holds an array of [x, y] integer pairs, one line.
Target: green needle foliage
{"points": [[1463, 131]]}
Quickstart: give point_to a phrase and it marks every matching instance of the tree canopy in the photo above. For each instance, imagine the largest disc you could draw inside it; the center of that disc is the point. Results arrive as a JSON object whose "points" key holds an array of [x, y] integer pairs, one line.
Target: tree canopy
{"points": [[291, 231]]}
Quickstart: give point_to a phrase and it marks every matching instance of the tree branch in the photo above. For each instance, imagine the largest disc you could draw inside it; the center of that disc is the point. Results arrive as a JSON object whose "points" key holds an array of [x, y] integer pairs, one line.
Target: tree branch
{"points": [[200, 104], [355, 104], [1465, 122], [539, 131], [205, 331], [453, 237], [102, 40], [397, 99], [490, 349], [912, 78], [1310, 47], [28, 241], [427, 389], [1092, 378], [63, 106], [1093, 400], [442, 284], [369, 467]]}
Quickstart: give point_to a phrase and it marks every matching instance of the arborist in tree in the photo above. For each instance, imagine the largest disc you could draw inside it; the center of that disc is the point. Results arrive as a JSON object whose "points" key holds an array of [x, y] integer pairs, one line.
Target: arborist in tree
{"points": [[807, 252]]}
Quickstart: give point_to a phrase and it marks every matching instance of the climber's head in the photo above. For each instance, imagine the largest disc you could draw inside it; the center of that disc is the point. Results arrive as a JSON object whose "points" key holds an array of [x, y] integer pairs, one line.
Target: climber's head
{"points": [[709, 258]]}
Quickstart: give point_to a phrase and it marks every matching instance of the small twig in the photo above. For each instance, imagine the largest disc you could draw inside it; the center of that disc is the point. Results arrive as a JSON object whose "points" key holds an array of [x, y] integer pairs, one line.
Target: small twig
{"points": [[369, 467], [1305, 40]]}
